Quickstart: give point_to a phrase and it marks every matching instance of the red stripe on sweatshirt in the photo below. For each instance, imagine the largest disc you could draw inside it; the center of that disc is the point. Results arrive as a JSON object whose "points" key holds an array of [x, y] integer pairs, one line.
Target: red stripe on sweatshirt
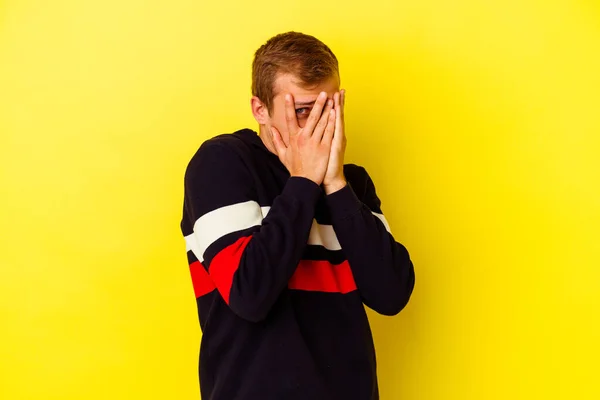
{"points": [[200, 279], [310, 275], [225, 263], [323, 276]]}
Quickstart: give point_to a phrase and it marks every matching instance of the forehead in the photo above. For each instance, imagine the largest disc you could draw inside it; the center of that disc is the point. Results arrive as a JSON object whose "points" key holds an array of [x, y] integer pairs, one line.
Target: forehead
{"points": [[287, 83]]}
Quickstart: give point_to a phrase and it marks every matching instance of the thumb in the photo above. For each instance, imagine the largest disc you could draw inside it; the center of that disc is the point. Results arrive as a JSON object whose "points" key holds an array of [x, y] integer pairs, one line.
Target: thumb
{"points": [[280, 147]]}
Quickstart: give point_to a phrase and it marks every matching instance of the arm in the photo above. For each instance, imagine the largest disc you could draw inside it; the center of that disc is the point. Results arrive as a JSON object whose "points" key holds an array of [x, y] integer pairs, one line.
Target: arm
{"points": [[382, 268], [250, 259]]}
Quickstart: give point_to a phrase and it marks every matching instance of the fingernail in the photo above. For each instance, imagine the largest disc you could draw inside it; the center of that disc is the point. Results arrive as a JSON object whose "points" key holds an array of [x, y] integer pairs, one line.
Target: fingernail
{"points": [[288, 97], [329, 103], [322, 95]]}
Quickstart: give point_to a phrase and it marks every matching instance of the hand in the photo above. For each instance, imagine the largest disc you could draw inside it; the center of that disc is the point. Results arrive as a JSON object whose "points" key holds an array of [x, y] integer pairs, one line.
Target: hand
{"points": [[309, 149], [334, 179]]}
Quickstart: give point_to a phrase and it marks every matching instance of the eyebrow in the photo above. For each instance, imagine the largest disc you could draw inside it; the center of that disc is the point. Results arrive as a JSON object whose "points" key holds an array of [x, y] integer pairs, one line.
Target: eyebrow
{"points": [[305, 103]]}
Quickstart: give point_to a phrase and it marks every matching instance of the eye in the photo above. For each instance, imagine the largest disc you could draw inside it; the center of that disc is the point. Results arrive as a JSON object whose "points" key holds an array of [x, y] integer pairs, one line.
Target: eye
{"points": [[303, 112]]}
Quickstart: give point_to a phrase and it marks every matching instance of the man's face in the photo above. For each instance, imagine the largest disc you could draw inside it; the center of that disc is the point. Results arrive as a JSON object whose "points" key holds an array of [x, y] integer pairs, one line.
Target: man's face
{"points": [[304, 99]]}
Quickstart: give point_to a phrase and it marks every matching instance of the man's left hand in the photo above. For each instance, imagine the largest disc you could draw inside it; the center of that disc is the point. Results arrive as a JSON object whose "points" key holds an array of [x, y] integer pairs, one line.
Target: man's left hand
{"points": [[334, 177]]}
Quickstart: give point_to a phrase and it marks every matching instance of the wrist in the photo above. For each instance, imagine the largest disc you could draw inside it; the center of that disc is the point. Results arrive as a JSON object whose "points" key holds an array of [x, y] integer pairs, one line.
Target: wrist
{"points": [[305, 176], [334, 185]]}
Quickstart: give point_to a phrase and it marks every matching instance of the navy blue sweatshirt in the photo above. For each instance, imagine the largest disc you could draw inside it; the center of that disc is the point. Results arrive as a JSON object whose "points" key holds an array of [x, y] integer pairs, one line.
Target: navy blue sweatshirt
{"points": [[281, 272]]}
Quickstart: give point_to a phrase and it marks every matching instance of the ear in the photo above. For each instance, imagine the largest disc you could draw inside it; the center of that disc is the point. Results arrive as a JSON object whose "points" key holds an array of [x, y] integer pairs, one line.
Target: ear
{"points": [[259, 110]]}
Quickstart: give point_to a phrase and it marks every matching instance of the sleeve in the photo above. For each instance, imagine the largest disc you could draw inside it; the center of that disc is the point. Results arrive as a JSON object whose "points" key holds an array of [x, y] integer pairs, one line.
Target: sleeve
{"points": [[382, 267], [250, 257]]}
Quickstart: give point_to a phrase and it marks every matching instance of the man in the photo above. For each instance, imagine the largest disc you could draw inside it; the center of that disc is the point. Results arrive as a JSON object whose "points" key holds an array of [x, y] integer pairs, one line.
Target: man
{"points": [[285, 242]]}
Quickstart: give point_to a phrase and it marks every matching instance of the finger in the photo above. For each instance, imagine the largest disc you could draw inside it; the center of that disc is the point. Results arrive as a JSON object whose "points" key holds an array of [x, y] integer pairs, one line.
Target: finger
{"points": [[342, 102], [290, 115], [315, 114], [280, 147], [339, 135], [330, 129], [339, 120], [320, 128]]}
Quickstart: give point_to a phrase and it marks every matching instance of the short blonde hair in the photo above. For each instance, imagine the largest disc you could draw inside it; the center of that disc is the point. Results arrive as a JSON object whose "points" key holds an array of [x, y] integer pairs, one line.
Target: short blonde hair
{"points": [[304, 56]]}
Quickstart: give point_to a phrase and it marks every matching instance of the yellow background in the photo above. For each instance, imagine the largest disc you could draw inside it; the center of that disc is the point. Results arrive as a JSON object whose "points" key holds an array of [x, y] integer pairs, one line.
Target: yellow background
{"points": [[478, 120]]}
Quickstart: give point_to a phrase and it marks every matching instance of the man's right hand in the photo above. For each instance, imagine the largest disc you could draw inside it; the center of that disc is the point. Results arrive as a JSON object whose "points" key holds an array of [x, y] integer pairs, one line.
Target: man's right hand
{"points": [[307, 154]]}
